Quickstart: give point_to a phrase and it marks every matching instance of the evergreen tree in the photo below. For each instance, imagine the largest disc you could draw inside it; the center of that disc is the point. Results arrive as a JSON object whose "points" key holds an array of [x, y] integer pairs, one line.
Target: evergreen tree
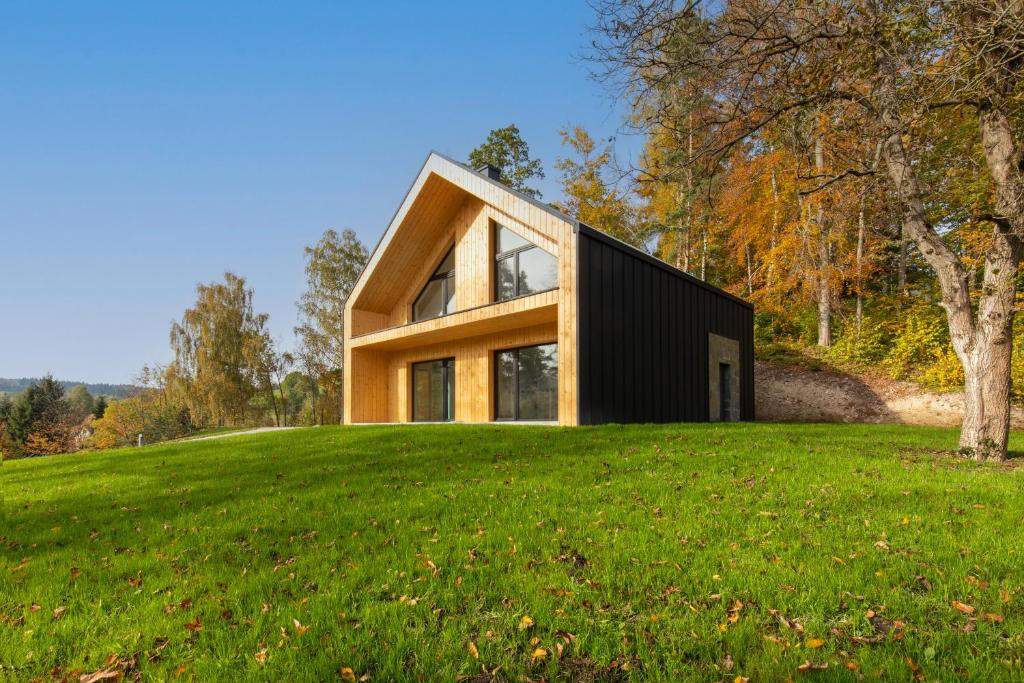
{"points": [[100, 407]]}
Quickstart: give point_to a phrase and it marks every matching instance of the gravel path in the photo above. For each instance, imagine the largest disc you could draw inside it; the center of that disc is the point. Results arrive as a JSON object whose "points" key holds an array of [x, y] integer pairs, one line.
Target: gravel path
{"points": [[258, 430]]}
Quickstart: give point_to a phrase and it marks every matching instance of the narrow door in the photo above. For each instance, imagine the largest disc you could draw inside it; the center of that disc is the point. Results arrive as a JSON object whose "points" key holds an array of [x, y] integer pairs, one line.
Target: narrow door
{"points": [[433, 391], [725, 392]]}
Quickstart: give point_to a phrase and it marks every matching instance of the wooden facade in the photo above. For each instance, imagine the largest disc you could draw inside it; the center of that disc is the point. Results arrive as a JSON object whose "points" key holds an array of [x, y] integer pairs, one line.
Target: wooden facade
{"points": [[452, 207]]}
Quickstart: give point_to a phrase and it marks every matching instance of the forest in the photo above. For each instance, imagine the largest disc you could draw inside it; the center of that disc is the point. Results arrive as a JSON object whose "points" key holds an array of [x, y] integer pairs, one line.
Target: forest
{"points": [[852, 168]]}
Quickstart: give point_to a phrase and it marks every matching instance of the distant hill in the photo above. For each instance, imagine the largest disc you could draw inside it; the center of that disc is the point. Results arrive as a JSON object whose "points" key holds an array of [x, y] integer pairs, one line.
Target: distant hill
{"points": [[13, 386]]}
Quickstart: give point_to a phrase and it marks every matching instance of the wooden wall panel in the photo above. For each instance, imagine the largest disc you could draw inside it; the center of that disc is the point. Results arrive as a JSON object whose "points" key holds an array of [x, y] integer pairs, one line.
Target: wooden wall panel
{"points": [[367, 396], [382, 380], [451, 205]]}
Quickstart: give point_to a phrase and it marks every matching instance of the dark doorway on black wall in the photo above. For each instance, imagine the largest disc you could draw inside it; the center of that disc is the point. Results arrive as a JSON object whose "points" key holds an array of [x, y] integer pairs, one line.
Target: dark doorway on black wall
{"points": [[433, 391], [725, 391]]}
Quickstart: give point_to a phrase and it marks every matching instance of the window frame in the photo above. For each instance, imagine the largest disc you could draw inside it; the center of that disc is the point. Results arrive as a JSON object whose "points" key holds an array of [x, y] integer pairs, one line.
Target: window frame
{"points": [[514, 255], [515, 383], [448, 363], [447, 280]]}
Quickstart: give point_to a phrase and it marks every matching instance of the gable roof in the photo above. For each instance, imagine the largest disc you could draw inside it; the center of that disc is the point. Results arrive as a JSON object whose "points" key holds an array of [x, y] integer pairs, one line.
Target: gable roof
{"points": [[452, 181], [447, 183]]}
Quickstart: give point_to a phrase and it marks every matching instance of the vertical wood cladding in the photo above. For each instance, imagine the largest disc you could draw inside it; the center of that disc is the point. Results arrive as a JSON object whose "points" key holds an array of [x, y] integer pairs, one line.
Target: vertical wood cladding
{"points": [[643, 337]]}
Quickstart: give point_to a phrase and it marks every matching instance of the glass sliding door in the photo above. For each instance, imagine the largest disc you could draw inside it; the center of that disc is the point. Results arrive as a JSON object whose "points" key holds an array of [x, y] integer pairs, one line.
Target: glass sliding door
{"points": [[433, 391], [526, 383]]}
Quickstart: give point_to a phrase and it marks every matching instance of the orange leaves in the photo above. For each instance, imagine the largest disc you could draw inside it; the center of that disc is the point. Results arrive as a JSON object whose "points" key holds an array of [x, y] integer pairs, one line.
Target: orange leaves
{"points": [[963, 607], [261, 655], [810, 666], [195, 626]]}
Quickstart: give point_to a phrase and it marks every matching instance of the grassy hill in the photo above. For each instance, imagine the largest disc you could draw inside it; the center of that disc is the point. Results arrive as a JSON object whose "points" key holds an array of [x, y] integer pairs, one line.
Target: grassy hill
{"points": [[690, 552]]}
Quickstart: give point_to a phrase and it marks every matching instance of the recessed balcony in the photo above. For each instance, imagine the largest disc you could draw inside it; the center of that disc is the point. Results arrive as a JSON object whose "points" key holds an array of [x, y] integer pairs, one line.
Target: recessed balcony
{"points": [[525, 311]]}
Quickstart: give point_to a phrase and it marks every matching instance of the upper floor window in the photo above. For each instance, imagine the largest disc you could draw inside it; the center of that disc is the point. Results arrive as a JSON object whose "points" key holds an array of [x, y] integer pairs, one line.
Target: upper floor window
{"points": [[438, 296], [521, 267]]}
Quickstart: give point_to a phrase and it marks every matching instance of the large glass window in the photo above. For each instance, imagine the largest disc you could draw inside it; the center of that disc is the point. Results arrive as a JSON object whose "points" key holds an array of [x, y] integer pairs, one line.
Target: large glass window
{"points": [[526, 383], [438, 296], [433, 391], [521, 267]]}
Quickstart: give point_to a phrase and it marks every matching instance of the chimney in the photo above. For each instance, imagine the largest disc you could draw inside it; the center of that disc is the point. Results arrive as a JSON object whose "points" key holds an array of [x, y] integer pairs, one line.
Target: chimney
{"points": [[492, 172]]}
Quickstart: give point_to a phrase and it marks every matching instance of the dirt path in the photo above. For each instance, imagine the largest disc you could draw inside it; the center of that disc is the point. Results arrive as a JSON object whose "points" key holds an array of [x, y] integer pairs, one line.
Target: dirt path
{"points": [[797, 394]]}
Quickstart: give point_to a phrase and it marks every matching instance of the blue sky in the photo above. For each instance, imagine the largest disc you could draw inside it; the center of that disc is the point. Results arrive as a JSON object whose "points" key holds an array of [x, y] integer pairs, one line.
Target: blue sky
{"points": [[148, 146]]}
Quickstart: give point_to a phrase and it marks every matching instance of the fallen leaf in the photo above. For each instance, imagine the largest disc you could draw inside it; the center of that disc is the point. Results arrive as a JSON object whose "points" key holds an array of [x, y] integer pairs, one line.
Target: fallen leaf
{"points": [[347, 674], [539, 655], [35, 607], [59, 612], [814, 643], [299, 628], [992, 616], [809, 666], [963, 607], [525, 623], [473, 652], [180, 670], [194, 626], [101, 675], [261, 656]]}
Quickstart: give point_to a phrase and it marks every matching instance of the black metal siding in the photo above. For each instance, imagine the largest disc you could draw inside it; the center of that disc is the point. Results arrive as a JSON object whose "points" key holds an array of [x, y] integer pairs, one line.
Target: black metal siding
{"points": [[643, 337]]}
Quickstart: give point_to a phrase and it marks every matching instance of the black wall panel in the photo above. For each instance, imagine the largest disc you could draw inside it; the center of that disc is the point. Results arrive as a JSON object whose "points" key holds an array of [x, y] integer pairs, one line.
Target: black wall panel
{"points": [[643, 337]]}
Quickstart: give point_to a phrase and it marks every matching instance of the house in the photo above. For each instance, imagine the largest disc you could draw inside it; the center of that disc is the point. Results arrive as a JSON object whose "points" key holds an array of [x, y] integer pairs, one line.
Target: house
{"points": [[481, 304]]}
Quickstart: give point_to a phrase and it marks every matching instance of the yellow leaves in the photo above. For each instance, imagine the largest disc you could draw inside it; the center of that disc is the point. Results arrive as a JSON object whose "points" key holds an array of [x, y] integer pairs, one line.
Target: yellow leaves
{"points": [[261, 655], [526, 622], [473, 652], [347, 674], [299, 628], [59, 612], [538, 655], [21, 565], [814, 643], [963, 607]]}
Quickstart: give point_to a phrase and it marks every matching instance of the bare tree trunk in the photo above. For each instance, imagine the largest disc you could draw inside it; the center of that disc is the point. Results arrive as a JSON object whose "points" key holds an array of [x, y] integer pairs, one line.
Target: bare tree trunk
{"points": [[770, 275], [901, 268], [984, 345], [704, 254], [860, 265], [824, 260]]}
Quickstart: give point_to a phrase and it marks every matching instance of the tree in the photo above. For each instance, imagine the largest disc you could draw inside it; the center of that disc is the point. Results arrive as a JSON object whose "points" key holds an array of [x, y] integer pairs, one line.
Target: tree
{"points": [[879, 73], [100, 406], [333, 265], [506, 150], [81, 402], [214, 359], [590, 198]]}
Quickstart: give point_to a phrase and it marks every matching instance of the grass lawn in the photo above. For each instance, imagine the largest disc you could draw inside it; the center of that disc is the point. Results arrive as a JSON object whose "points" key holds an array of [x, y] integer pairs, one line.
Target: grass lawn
{"points": [[681, 552]]}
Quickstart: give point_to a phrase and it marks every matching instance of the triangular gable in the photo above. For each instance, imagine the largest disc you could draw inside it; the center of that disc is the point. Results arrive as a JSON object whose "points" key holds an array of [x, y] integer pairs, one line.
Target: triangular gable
{"points": [[440, 188]]}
